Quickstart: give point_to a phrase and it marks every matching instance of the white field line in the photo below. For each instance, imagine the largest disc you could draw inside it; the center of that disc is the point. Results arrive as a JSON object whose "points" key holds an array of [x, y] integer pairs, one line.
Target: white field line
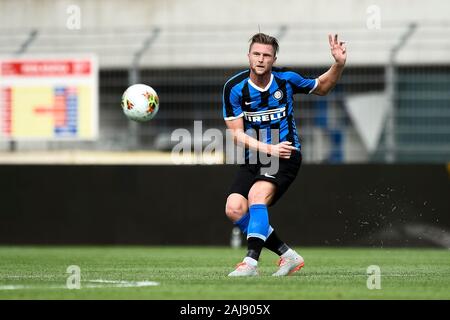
{"points": [[90, 285], [13, 287], [120, 284]]}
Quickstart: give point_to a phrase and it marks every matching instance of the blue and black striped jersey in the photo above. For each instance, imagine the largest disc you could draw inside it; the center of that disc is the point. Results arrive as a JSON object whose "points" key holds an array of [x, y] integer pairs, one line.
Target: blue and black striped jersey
{"points": [[268, 108]]}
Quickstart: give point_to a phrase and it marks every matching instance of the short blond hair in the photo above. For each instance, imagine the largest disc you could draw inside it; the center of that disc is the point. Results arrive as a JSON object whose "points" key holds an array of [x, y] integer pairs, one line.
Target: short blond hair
{"points": [[263, 38]]}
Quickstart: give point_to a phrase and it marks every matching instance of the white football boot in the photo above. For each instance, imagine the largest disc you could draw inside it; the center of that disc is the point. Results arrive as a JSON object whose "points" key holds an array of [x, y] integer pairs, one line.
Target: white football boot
{"points": [[244, 269], [289, 263]]}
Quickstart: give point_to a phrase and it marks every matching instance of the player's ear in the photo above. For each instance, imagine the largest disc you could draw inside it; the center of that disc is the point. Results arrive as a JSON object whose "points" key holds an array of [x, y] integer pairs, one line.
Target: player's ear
{"points": [[274, 59]]}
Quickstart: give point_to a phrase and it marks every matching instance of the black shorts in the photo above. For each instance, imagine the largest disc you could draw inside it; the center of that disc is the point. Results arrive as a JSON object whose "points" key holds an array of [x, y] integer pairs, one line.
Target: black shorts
{"points": [[248, 174]]}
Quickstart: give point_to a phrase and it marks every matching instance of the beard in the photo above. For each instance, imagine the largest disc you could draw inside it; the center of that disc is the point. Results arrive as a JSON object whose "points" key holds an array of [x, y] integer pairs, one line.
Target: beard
{"points": [[260, 71]]}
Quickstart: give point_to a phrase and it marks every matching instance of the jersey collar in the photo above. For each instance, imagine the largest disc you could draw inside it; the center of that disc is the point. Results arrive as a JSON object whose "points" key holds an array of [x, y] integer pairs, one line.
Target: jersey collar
{"points": [[260, 89]]}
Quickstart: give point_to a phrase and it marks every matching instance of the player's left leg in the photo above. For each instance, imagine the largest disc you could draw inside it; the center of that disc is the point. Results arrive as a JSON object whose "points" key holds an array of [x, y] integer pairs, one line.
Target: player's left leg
{"points": [[290, 261]]}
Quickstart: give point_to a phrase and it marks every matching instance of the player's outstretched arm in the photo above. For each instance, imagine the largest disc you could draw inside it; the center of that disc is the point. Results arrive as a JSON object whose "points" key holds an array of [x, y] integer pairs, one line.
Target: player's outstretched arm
{"points": [[328, 80], [281, 150]]}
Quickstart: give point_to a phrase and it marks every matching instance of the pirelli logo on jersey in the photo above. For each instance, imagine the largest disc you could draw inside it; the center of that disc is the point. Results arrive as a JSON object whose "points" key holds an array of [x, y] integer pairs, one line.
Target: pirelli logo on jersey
{"points": [[267, 115]]}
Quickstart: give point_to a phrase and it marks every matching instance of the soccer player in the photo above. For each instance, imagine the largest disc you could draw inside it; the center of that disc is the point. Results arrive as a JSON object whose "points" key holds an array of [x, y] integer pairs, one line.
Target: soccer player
{"points": [[261, 99]]}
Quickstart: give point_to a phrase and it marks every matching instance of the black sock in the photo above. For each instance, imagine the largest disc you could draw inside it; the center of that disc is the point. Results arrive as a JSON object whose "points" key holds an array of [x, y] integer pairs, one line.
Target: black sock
{"points": [[255, 246], [274, 244]]}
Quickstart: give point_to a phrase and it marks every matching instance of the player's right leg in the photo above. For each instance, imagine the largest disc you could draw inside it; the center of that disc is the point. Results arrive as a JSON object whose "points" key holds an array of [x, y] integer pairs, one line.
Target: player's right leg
{"points": [[236, 207], [236, 210]]}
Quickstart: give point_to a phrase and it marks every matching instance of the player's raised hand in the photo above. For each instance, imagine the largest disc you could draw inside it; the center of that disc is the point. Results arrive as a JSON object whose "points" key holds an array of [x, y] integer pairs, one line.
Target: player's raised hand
{"points": [[282, 150], [338, 49]]}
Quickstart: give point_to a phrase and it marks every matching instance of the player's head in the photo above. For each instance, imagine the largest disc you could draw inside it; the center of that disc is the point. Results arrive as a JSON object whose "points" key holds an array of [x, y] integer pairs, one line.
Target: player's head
{"points": [[262, 53]]}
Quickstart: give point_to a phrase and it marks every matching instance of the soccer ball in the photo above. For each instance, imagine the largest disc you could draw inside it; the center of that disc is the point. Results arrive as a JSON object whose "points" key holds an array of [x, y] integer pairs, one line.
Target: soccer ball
{"points": [[140, 102]]}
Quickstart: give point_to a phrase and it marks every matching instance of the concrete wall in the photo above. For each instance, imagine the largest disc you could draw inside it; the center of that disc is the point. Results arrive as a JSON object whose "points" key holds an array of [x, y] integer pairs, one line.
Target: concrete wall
{"points": [[209, 33], [120, 13]]}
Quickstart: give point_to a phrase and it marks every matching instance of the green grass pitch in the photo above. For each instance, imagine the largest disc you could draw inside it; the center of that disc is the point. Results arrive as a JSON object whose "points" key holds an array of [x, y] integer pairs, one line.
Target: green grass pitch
{"points": [[201, 273]]}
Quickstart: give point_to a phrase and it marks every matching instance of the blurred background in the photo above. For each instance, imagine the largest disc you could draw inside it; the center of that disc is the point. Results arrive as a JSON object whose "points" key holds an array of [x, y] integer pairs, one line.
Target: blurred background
{"points": [[377, 146]]}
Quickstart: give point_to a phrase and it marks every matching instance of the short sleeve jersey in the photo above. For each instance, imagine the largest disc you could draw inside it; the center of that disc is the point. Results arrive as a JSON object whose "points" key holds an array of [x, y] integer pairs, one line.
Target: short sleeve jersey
{"points": [[265, 109]]}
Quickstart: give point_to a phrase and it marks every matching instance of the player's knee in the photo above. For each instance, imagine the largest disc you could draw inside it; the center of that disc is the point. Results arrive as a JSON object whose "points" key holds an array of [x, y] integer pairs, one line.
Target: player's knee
{"points": [[261, 193], [259, 197], [234, 211]]}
